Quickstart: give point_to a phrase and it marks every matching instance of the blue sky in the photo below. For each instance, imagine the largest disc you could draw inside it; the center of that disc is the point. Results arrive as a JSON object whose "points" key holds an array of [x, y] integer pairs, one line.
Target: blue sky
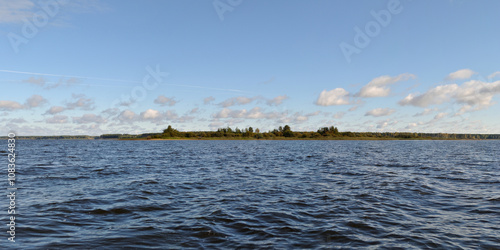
{"points": [[94, 67]]}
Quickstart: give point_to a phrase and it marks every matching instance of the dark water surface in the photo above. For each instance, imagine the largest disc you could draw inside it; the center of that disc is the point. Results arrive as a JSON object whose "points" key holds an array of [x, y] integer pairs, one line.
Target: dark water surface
{"points": [[257, 194]]}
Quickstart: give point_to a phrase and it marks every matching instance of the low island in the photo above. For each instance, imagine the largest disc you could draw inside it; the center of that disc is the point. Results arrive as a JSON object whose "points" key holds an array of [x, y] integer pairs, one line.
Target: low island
{"points": [[281, 133], [286, 133]]}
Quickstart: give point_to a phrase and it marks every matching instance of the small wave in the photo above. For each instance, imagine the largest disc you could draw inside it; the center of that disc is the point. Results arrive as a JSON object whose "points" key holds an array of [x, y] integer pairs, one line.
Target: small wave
{"points": [[360, 225], [44, 165], [493, 210], [330, 235], [494, 199], [110, 211]]}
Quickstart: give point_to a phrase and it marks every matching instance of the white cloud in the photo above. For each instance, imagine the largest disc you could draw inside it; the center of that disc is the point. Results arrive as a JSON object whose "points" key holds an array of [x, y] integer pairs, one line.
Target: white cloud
{"points": [[237, 116], [225, 113], [425, 112], [126, 102], [378, 87], [89, 118], [170, 115], [254, 113], [15, 11], [381, 125], [338, 96], [154, 116], [277, 100], [239, 100], [242, 100], [185, 118], [437, 117], [315, 113], [127, 116], [18, 120], [111, 112], [208, 100], [55, 110], [494, 75], [35, 101], [301, 118], [40, 81], [411, 125], [165, 101], [10, 105], [194, 111], [380, 112], [440, 116], [80, 102], [32, 102], [57, 119], [61, 82], [353, 108], [461, 74], [159, 117], [437, 95], [473, 95], [150, 114]]}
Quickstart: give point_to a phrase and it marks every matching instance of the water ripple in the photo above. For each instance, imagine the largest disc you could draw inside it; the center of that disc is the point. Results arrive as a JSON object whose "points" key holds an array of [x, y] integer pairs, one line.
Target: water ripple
{"points": [[259, 194]]}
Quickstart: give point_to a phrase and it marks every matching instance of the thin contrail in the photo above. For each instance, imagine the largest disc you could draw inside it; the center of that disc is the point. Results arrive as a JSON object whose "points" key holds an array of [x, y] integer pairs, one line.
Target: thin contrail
{"points": [[61, 85], [85, 77], [116, 80]]}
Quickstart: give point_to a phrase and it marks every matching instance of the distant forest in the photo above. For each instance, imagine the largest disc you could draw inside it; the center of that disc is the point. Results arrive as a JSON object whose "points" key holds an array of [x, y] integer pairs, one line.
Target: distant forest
{"points": [[285, 132], [281, 133]]}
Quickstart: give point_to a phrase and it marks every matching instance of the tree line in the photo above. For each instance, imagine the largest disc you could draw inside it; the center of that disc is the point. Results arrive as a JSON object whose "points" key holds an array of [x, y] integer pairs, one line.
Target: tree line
{"points": [[250, 132], [282, 132], [286, 132]]}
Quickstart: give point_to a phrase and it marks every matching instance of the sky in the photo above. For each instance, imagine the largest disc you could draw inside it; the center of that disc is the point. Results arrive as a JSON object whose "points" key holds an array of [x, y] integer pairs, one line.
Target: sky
{"points": [[94, 67]]}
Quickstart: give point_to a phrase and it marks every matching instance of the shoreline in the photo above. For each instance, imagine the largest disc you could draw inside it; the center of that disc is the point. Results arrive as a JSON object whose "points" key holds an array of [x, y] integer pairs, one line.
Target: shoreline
{"points": [[261, 139], [301, 139]]}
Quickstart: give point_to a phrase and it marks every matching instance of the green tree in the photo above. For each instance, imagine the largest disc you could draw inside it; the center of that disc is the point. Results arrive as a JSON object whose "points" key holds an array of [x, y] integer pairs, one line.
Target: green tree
{"points": [[287, 131], [248, 132], [170, 132], [277, 132]]}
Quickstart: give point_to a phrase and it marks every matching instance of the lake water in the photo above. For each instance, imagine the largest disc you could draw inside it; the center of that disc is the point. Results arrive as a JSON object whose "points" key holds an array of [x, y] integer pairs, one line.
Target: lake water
{"points": [[256, 194]]}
